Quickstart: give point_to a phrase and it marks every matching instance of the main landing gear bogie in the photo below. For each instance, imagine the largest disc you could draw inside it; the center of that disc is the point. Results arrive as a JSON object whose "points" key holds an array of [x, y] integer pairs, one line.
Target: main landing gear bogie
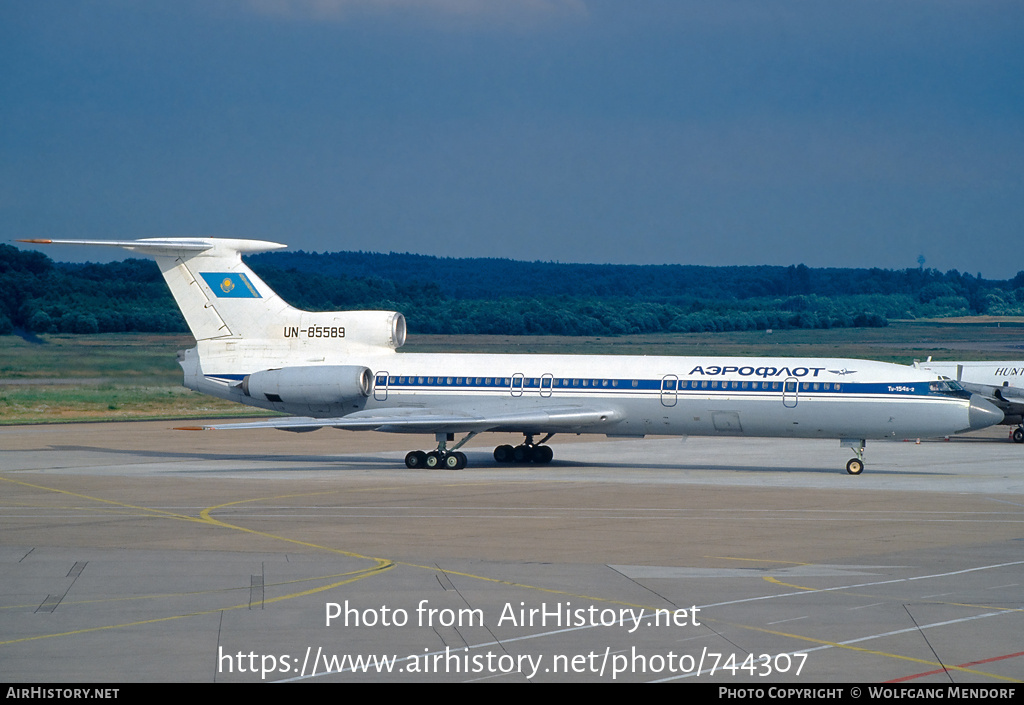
{"points": [[523, 454], [434, 459], [444, 457], [453, 459], [526, 452]]}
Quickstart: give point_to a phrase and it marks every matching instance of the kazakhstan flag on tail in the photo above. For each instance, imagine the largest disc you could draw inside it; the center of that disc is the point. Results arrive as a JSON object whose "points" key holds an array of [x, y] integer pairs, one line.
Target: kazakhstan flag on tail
{"points": [[230, 285]]}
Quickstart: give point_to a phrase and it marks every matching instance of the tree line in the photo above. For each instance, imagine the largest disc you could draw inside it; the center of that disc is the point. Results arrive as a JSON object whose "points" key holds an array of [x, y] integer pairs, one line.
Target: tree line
{"points": [[440, 295]]}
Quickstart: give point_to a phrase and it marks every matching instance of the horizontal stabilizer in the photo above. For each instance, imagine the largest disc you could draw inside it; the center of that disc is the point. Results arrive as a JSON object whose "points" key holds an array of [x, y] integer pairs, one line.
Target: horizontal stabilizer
{"points": [[170, 246]]}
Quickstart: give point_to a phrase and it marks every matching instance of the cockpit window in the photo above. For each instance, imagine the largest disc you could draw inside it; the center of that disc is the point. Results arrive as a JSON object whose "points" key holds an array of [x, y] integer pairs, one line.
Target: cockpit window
{"points": [[947, 387]]}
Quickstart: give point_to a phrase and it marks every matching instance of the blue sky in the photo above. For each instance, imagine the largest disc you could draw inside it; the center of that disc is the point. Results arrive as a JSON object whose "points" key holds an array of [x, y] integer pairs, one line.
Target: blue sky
{"points": [[840, 134]]}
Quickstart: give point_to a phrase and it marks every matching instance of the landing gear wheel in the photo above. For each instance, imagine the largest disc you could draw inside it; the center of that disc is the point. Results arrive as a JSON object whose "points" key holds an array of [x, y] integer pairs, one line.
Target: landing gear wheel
{"points": [[523, 454], [455, 461], [433, 459], [855, 466], [503, 454], [415, 459], [543, 454], [1018, 435]]}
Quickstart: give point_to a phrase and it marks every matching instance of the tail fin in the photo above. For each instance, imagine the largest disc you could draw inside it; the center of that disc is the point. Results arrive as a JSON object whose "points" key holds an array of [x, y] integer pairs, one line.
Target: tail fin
{"points": [[223, 300]]}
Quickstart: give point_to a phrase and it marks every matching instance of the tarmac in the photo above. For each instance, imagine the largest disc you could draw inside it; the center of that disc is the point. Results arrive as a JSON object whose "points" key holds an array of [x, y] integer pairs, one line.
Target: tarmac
{"points": [[131, 552]]}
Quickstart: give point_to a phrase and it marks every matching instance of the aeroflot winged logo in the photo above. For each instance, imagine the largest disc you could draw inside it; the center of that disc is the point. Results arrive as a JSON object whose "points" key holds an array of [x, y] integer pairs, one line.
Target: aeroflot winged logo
{"points": [[228, 285]]}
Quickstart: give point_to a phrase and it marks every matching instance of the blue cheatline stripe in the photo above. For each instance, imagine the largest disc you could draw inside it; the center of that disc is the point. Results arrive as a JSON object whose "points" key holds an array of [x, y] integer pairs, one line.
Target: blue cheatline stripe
{"points": [[230, 285], [682, 388], [686, 387]]}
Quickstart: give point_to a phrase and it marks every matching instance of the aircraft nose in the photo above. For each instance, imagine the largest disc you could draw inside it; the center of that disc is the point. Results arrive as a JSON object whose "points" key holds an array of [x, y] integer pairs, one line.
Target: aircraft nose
{"points": [[982, 413]]}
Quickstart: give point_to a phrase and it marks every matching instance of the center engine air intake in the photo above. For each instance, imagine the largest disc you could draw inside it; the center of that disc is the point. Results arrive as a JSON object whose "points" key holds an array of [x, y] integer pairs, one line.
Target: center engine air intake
{"points": [[374, 328], [318, 384]]}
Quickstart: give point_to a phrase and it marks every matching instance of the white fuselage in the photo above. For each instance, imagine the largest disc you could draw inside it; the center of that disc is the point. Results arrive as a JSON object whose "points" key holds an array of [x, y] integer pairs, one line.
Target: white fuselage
{"points": [[787, 397]]}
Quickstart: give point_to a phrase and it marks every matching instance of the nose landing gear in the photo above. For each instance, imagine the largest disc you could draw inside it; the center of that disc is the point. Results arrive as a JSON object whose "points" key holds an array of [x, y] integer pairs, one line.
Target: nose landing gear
{"points": [[856, 465]]}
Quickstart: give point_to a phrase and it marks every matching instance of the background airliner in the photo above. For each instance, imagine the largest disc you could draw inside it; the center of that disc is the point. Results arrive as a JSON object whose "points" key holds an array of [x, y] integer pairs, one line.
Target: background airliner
{"points": [[341, 369], [1001, 383]]}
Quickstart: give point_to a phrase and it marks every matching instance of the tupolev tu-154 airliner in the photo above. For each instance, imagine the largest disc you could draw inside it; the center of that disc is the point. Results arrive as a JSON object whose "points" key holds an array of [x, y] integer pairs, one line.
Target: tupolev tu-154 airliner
{"points": [[342, 369]]}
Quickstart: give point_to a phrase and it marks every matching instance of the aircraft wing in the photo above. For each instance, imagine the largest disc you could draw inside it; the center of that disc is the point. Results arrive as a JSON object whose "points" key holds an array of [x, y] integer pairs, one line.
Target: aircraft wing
{"points": [[1009, 399], [1011, 395], [561, 419]]}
